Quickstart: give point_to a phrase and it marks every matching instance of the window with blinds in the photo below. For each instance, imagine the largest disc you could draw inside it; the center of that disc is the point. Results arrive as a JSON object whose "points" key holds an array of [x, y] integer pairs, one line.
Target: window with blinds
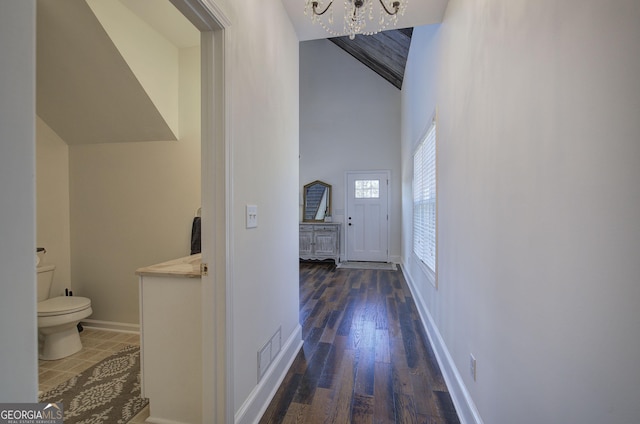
{"points": [[424, 199]]}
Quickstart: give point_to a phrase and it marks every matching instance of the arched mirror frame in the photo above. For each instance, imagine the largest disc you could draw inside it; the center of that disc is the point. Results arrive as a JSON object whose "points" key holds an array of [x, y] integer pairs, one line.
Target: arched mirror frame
{"points": [[310, 204]]}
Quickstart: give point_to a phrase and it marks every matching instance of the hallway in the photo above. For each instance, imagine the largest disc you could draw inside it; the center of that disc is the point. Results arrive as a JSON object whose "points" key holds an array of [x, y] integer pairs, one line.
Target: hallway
{"points": [[365, 357]]}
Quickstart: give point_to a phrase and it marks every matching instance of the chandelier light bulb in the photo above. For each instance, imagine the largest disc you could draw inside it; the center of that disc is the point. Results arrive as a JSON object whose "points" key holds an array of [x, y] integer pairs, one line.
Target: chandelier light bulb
{"points": [[356, 14]]}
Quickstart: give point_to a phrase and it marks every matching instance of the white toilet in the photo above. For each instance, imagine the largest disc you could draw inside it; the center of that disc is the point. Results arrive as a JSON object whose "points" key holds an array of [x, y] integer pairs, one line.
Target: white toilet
{"points": [[58, 318]]}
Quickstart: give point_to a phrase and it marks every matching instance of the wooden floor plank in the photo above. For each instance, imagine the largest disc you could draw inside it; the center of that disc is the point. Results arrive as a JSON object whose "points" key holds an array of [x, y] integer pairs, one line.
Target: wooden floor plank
{"points": [[405, 411], [384, 406], [296, 414], [362, 410], [365, 372], [382, 346], [365, 356], [343, 401], [309, 381], [331, 372], [320, 406]]}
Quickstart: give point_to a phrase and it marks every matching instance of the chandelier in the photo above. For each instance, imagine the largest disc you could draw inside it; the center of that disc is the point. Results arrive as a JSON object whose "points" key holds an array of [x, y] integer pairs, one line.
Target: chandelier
{"points": [[356, 15]]}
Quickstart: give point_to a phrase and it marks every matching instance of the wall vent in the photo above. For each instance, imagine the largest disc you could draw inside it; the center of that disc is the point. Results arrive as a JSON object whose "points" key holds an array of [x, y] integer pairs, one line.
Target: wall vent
{"points": [[268, 352]]}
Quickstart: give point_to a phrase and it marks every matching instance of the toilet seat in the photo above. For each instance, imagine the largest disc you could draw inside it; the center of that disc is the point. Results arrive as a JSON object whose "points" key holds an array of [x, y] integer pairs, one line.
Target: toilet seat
{"points": [[62, 305]]}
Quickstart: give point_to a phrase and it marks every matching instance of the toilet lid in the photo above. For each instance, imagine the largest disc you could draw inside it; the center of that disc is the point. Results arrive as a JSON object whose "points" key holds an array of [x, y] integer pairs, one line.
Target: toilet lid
{"points": [[62, 305]]}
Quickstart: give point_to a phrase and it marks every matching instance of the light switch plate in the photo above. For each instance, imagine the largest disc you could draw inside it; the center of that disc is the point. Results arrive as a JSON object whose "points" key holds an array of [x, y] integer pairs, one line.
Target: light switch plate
{"points": [[252, 216]]}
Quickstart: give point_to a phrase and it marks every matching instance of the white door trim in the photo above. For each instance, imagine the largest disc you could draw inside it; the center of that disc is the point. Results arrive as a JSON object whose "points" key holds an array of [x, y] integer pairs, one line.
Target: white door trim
{"points": [[346, 209], [217, 337]]}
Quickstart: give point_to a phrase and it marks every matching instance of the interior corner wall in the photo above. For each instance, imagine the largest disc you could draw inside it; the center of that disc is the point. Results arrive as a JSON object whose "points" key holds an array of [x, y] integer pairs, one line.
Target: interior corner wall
{"points": [[132, 205], [349, 121], [538, 205], [18, 349], [263, 269], [52, 194]]}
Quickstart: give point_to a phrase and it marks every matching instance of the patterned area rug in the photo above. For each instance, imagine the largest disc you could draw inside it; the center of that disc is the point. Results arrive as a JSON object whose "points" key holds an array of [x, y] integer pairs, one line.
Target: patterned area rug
{"points": [[108, 392], [367, 265]]}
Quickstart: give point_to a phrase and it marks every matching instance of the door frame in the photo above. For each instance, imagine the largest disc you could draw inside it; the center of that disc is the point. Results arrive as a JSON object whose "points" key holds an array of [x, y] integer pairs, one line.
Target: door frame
{"points": [[387, 172], [216, 299]]}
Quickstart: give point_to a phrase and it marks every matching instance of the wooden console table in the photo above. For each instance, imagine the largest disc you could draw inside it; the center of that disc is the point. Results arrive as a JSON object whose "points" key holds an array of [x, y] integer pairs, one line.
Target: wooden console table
{"points": [[320, 240]]}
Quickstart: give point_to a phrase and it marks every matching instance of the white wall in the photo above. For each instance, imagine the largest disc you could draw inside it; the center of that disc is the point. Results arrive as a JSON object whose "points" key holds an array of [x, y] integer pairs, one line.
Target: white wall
{"points": [[349, 120], [538, 204], [132, 205], [264, 172], [52, 200], [18, 349]]}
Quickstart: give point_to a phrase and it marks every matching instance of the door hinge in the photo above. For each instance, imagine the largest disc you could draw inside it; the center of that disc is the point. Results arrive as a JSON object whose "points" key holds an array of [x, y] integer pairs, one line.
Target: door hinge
{"points": [[204, 269]]}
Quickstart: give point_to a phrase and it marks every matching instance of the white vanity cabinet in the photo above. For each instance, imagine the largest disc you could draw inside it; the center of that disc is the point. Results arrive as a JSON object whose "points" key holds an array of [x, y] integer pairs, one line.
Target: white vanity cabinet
{"points": [[320, 240], [170, 340]]}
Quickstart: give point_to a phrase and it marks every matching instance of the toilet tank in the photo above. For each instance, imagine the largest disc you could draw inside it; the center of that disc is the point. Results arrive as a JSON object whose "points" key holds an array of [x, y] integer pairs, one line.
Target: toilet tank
{"points": [[45, 278]]}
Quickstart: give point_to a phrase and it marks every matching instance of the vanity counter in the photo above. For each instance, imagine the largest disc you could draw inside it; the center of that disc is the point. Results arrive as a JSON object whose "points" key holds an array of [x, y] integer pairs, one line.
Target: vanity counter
{"points": [[188, 266]]}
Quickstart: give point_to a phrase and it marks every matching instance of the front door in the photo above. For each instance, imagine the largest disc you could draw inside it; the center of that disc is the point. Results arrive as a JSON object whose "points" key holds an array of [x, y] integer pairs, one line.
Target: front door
{"points": [[367, 216]]}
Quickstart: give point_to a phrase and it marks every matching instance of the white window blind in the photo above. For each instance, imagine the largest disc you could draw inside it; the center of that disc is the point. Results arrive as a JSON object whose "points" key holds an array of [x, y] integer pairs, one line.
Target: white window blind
{"points": [[424, 199]]}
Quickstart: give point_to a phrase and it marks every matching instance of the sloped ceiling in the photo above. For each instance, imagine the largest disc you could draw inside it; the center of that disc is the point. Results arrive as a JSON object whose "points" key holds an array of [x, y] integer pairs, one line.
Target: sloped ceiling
{"points": [[385, 53], [167, 20], [419, 12], [86, 92]]}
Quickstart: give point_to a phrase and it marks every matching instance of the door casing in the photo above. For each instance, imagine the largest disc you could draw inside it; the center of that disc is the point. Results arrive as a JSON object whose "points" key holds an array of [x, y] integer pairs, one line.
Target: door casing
{"points": [[217, 337]]}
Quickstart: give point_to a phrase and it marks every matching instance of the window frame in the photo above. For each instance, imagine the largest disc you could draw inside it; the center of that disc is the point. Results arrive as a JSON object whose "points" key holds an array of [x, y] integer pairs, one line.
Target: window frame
{"points": [[429, 135]]}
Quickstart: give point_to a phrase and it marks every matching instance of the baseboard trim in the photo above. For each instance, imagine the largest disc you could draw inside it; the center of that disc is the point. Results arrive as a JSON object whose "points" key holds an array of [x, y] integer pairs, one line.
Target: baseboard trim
{"points": [[120, 327], [161, 421], [465, 407], [256, 404]]}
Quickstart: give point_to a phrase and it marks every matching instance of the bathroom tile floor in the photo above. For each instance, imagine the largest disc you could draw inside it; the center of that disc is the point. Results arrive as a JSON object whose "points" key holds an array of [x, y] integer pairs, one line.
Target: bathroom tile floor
{"points": [[96, 345]]}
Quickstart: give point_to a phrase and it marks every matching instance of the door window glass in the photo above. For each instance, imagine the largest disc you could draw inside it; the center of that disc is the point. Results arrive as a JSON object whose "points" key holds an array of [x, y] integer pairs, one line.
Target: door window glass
{"points": [[367, 189]]}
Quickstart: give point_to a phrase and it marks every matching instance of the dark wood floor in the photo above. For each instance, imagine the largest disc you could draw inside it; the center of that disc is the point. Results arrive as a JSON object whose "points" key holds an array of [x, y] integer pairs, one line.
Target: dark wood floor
{"points": [[365, 357]]}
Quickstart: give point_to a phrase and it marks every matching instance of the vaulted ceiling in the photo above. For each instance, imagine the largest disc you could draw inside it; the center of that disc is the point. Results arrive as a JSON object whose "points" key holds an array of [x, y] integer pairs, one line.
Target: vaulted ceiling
{"points": [[384, 53], [418, 13]]}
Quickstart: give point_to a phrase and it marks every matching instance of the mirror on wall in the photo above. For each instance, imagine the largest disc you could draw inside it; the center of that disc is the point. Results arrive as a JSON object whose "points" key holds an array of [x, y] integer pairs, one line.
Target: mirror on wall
{"points": [[317, 201]]}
